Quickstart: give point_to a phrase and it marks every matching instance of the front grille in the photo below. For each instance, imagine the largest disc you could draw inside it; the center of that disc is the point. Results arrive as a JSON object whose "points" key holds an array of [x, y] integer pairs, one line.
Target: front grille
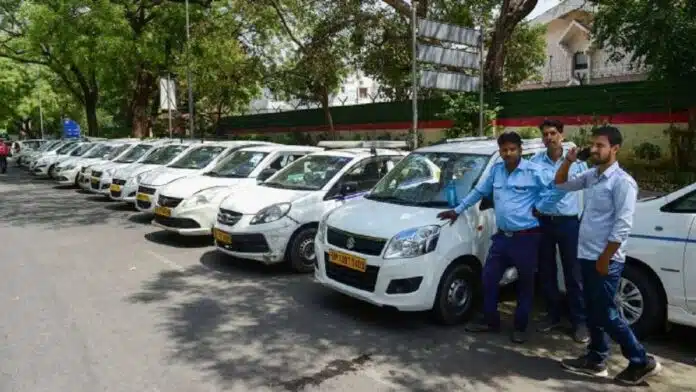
{"points": [[170, 202], [146, 190], [360, 280], [118, 182], [247, 243], [361, 244], [95, 185], [228, 218], [177, 223], [116, 194], [143, 204], [83, 170], [97, 174]]}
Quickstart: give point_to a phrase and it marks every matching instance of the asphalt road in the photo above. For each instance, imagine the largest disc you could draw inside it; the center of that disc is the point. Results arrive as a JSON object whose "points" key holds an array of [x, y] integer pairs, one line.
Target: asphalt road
{"points": [[95, 299]]}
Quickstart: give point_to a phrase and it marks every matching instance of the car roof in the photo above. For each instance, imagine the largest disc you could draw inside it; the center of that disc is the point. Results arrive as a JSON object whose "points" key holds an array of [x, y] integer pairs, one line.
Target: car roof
{"points": [[484, 147], [281, 147], [359, 152]]}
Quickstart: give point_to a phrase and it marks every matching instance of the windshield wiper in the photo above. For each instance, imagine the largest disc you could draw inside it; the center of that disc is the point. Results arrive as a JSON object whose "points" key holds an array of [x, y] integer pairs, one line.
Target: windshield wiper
{"points": [[212, 174], [432, 203], [389, 199]]}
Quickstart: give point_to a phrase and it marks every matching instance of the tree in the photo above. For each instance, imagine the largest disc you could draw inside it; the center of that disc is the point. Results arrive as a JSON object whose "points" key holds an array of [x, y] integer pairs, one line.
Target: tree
{"points": [[658, 34]]}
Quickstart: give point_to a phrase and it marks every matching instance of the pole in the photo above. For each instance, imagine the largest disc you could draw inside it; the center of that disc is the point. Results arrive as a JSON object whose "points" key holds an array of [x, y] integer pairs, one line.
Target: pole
{"points": [[188, 72], [169, 102], [414, 71], [481, 65], [41, 118]]}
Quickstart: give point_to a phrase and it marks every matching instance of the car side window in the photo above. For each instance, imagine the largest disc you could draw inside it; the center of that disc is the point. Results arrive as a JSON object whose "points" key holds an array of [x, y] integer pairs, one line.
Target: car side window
{"points": [[684, 205]]}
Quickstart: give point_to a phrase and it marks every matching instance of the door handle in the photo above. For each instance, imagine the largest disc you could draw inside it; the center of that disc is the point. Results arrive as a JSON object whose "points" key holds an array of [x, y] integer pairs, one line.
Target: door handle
{"points": [[658, 228]]}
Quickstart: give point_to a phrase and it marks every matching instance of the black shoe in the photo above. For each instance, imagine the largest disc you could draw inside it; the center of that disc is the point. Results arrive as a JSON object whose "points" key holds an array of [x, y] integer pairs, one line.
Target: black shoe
{"points": [[518, 336], [548, 325], [636, 374], [580, 334], [586, 366], [478, 327]]}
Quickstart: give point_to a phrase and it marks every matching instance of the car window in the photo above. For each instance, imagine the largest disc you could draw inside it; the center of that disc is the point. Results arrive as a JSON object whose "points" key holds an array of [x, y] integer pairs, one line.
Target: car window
{"points": [[311, 172], [685, 204], [367, 173], [198, 158]]}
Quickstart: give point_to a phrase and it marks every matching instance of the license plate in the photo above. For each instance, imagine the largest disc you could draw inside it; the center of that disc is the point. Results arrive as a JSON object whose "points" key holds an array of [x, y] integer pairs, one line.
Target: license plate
{"points": [[95, 181], [142, 197], [115, 188], [348, 261], [164, 211], [222, 237]]}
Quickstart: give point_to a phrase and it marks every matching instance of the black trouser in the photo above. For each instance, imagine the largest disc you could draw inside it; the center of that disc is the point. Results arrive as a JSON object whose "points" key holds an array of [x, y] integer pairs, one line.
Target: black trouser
{"points": [[3, 164]]}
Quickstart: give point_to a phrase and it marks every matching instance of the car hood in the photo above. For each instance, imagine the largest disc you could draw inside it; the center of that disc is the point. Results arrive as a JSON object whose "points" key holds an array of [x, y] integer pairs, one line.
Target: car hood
{"points": [[188, 186], [250, 200], [165, 175], [368, 217], [132, 170]]}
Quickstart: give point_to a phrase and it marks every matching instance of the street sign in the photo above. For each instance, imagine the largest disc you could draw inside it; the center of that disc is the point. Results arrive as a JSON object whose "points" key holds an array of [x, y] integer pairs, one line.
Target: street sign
{"points": [[448, 32], [167, 94], [71, 129], [449, 81], [451, 57]]}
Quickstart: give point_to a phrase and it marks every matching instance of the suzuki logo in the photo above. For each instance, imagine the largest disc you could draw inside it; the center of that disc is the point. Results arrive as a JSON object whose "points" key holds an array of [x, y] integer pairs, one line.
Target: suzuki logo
{"points": [[350, 243]]}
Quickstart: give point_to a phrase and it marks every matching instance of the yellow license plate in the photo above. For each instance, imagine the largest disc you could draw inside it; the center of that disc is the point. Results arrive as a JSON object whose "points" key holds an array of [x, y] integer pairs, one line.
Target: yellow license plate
{"points": [[95, 181], [348, 261], [115, 188], [164, 211], [222, 237], [142, 197]]}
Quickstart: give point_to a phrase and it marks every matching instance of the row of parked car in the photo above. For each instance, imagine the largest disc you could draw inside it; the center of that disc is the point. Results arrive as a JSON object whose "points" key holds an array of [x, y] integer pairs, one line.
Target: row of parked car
{"points": [[362, 216]]}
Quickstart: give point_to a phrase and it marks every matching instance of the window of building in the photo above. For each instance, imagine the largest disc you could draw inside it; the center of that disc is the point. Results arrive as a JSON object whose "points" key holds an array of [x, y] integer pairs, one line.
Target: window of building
{"points": [[362, 92], [580, 61]]}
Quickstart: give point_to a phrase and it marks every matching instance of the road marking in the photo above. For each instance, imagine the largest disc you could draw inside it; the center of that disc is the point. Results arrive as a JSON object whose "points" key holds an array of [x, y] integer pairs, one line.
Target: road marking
{"points": [[166, 261]]}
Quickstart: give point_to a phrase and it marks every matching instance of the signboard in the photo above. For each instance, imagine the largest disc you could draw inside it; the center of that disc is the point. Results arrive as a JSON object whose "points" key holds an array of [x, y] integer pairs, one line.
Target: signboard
{"points": [[71, 129], [449, 81], [167, 94], [451, 57], [448, 32]]}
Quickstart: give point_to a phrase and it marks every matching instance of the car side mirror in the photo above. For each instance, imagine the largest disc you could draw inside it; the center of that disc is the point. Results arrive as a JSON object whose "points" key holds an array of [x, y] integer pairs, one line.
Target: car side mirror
{"points": [[486, 204], [348, 188], [265, 174]]}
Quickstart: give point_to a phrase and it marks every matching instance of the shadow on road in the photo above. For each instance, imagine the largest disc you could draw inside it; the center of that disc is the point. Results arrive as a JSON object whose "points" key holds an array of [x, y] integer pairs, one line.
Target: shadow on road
{"points": [[164, 237], [242, 321]]}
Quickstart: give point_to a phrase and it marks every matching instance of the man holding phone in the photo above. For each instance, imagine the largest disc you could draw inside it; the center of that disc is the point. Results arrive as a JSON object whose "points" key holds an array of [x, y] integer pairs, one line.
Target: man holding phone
{"points": [[610, 200], [559, 225]]}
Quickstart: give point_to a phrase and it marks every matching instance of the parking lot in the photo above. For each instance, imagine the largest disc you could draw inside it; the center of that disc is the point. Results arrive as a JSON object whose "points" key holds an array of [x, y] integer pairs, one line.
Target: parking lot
{"points": [[96, 299]]}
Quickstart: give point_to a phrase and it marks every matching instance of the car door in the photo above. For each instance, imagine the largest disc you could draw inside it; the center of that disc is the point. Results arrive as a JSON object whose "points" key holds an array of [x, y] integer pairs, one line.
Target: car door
{"points": [[690, 270]]}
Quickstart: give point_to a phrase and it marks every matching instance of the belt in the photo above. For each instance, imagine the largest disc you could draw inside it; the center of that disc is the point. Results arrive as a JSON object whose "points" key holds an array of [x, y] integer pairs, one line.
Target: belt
{"points": [[533, 230], [557, 218]]}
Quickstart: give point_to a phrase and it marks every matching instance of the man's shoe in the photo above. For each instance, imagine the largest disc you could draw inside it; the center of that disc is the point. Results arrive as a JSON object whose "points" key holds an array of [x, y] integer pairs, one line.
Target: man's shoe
{"points": [[635, 374], [479, 327], [548, 325], [580, 334], [518, 336], [586, 366]]}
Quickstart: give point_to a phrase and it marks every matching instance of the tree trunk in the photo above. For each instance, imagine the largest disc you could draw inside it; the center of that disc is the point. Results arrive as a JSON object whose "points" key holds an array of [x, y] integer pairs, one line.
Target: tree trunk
{"points": [[690, 136], [91, 100], [327, 111], [145, 86]]}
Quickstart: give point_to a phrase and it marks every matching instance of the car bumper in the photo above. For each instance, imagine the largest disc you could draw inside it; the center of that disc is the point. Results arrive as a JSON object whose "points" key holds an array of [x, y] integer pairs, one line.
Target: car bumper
{"points": [[191, 221], [83, 181], [123, 192], [145, 202], [66, 177], [40, 171], [377, 283], [265, 243]]}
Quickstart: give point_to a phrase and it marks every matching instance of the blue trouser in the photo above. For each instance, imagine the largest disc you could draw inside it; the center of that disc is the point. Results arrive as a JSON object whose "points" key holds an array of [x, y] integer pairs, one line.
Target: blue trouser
{"points": [[519, 251], [561, 232], [603, 317]]}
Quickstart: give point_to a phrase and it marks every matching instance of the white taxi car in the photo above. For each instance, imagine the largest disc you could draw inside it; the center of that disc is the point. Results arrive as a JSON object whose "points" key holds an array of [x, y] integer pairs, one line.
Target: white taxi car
{"points": [[45, 164], [188, 206], [124, 184], [104, 171], [81, 150], [277, 220], [120, 148], [68, 170], [197, 160], [30, 158]]}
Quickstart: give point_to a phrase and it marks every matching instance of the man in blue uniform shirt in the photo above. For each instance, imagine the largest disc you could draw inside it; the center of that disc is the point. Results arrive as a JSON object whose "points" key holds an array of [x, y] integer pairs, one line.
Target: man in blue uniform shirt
{"points": [[610, 201], [559, 226], [516, 186]]}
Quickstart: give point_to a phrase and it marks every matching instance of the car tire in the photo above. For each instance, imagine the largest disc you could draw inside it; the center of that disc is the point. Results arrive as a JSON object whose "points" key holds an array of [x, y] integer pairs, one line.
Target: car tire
{"points": [[52, 171], [652, 316], [301, 254], [457, 277]]}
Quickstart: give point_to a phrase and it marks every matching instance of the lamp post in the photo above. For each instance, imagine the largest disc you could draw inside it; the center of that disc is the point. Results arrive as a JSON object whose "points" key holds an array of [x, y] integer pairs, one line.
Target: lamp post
{"points": [[188, 73]]}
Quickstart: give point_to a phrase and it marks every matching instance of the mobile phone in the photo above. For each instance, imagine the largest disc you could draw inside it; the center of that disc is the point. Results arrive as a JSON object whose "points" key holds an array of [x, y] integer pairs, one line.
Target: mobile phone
{"points": [[584, 154]]}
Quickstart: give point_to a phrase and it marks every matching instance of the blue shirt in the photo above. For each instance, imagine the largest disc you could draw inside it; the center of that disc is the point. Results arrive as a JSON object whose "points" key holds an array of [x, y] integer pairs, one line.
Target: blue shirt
{"points": [[610, 202], [569, 204], [514, 194]]}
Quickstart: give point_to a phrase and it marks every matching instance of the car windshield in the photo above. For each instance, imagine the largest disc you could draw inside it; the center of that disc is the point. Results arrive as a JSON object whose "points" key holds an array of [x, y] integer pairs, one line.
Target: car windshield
{"points": [[31, 144], [136, 153], [98, 151], [238, 165], [164, 155], [311, 172], [116, 151], [50, 146], [66, 147], [421, 178], [80, 151], [198, 158]]}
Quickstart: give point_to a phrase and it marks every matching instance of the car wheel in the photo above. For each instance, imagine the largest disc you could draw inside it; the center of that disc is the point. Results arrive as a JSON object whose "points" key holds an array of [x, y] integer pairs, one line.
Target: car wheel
{"points": [[301, 252], [52, 171], [639, 301], [458, 293]]}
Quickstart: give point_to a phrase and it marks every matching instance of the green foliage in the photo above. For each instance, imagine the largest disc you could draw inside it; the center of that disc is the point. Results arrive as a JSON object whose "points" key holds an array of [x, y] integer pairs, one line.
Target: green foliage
{"points": [[463, 111], [681, 143], [529, 132], [525, 55], [648, 151]]}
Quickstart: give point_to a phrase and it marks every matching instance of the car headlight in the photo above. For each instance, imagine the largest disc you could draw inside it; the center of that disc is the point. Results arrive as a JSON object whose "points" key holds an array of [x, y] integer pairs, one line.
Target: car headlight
{"points": [[323, 226], [271, 213], [413, 242], [205, 196], [68, 167]]}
